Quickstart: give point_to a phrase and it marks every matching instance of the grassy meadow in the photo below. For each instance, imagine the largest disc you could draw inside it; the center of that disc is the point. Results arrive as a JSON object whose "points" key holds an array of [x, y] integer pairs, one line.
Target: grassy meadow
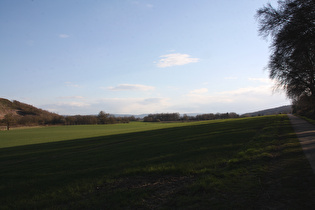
{"points": [[247, 163], [25, 136]]}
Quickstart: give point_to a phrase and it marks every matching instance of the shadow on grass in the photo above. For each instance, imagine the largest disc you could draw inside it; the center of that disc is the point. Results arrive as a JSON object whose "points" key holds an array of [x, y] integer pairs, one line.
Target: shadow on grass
{"points": [[224, 164]]}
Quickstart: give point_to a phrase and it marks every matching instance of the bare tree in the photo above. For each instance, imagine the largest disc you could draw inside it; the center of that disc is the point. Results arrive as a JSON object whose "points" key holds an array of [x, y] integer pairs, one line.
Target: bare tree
{"points": [[9, 120], [291, 27]]}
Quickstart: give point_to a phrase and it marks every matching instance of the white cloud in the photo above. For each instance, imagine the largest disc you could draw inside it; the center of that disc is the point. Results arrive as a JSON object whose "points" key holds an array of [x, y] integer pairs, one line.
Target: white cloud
{"points": [[175, 59], [202, 100], [149, 101], [199, 91], [230, 78], [135, 87], [240, 100], [76, 104], [266, 89], [112, 105], [263, 80], [71, 97], [70, 84], [131, 105], [70, 107], [64, 36]]}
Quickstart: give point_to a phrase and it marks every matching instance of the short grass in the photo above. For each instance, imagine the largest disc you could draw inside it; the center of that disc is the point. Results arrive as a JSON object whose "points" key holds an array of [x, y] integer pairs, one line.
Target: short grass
{"points": [[252, 163], [26, 136], [312, 121]]}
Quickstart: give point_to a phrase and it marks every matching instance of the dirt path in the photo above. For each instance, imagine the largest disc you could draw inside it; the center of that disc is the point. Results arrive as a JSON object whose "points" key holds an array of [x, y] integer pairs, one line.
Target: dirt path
{"points": [[306, 134]]}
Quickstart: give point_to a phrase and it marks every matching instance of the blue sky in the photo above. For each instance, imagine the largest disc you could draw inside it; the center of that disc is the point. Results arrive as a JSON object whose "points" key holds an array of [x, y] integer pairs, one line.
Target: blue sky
{"points": [[135, 56]]}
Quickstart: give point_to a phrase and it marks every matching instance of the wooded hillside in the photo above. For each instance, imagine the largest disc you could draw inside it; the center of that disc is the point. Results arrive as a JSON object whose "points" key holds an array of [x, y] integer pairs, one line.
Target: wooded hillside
{"points": [[15, 113], [25, 114]]}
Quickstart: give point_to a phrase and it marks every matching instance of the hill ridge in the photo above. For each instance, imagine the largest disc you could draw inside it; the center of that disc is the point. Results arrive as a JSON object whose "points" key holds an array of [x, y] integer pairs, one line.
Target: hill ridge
{"points": [[19, 113], [17, 108], [287, 109]]}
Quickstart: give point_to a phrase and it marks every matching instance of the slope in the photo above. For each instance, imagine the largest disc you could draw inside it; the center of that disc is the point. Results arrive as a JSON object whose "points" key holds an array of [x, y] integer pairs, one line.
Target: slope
{"points": [[23, 113]]}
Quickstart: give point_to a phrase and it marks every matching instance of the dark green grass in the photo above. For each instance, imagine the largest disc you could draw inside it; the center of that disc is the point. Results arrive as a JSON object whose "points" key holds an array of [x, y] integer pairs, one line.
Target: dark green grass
{"points": [[253, 163], [312, 121]]}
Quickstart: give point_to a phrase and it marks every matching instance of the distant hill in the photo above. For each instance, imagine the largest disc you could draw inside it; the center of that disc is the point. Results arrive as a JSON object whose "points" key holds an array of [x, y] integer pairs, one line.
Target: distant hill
{"points": [[278, 110], [19, 109]]}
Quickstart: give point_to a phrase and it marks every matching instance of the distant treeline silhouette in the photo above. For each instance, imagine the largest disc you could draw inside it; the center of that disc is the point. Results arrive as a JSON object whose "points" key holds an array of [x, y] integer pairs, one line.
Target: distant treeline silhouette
{"points": [[176, 117], [31, 120], [15, 113], [101, 118]]}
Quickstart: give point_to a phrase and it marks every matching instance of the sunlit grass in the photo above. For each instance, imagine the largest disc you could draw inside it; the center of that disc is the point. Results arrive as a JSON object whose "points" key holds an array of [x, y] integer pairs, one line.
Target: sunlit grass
{"points": [[36, 135]]}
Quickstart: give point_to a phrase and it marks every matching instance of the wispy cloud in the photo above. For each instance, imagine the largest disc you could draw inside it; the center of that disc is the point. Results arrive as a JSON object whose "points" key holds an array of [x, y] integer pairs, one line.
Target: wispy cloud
{"points": [[263, 80], [64, 36], [134, 87], [195, 101], [199, 91], [67, 105], [149, 101], [70, 84], [69, 102], [233, 100], [265, 89], [230, 78], [111, 105], [242, 95], [71, 97], [134, 105], [75, 103], [175, 59]]}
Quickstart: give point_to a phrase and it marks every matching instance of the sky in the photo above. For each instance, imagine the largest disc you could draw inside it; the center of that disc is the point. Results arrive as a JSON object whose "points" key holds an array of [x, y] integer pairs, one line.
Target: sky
{"points": [[135, 56]]}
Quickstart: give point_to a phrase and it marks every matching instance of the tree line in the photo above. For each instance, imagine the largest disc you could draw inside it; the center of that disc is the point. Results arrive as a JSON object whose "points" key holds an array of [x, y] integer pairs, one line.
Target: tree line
{"points": [[162, 117], [217, 116], [31, 119], [101, 118], [177, 117]]}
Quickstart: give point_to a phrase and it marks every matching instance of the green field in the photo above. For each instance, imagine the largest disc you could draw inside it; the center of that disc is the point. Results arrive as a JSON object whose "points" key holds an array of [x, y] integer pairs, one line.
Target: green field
{"points": [[25, 136], [248, 163]]}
